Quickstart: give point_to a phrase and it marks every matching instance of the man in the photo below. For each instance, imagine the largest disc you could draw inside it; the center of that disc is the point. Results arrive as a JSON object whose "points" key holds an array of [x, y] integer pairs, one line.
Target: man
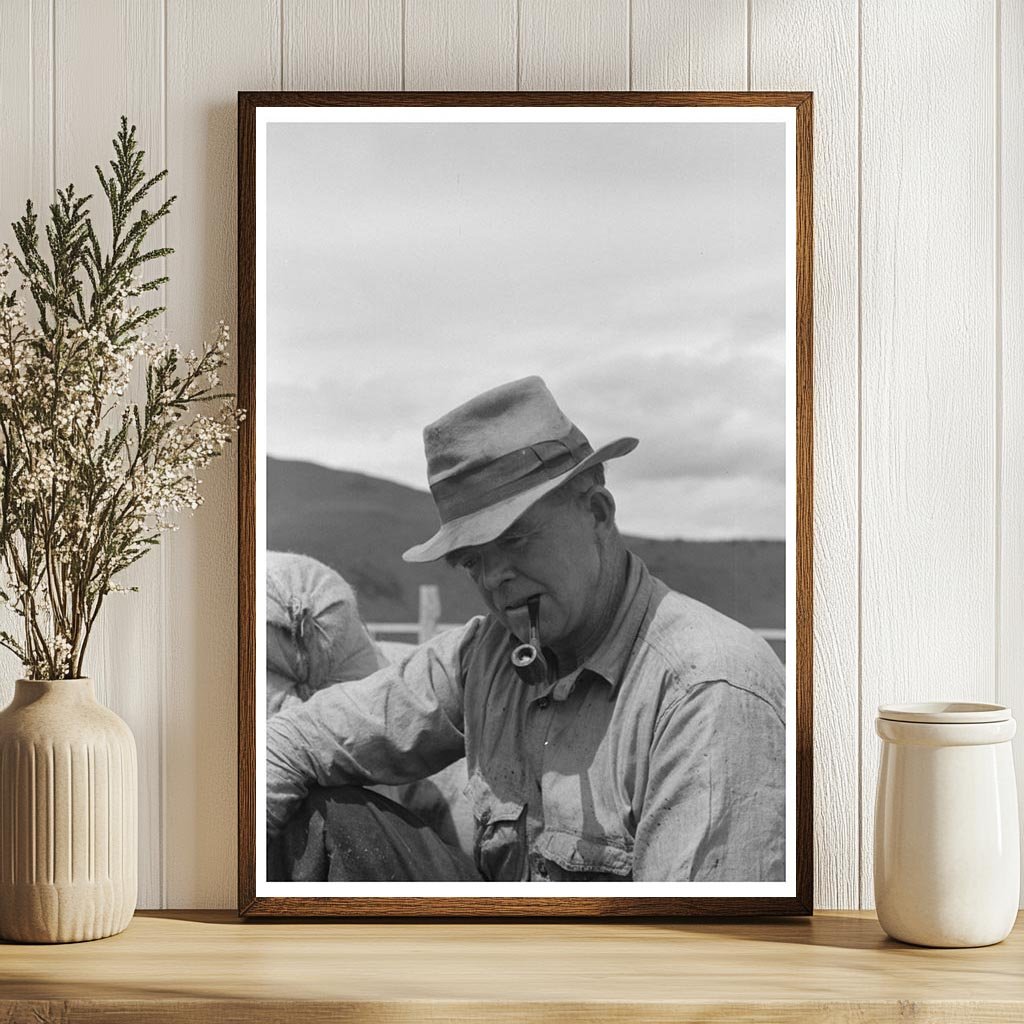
{"points": [[647, 742]]}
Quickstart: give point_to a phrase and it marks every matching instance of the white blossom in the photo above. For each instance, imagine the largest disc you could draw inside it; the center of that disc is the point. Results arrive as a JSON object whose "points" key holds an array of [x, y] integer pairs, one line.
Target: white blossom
{"points": [[73, 493]]}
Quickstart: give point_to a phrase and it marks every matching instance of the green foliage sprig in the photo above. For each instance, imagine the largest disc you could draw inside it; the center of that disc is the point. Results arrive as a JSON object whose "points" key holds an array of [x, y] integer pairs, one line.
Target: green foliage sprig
{"points": [[88, 477]]}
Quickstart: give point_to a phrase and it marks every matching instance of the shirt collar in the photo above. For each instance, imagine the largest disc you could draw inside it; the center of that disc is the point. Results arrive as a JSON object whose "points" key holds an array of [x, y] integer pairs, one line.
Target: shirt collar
{"points": [[611, 658]]}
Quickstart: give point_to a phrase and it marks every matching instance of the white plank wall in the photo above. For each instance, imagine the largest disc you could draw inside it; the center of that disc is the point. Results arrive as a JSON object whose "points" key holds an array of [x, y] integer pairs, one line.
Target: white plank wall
{"points": [[1010, 363], [788, 52], [226, 46], [683, 45], [342, 44], [26, 162], [26, 106], [919, 315], [928, 517], [465, 44], [573, 44], [123, 659]]}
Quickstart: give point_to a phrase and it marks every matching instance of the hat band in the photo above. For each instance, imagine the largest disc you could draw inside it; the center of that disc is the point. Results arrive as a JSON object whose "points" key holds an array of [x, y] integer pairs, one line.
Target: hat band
{"points": [[509, 475]]}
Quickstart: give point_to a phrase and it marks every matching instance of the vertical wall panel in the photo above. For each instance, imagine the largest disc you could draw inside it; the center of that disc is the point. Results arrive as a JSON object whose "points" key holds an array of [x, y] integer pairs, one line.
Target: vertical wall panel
{"points": [[574, 44], [26, 169], [1011, 177], [814, 46], [122, 658], [460, 44], [342, 44], [26, 106], [213, 51], [690, 44], [928, 363]]}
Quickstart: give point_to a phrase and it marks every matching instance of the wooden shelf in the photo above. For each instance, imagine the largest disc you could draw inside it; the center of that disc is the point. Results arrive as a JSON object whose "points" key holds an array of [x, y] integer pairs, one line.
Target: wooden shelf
{"points": [[210, 967]]}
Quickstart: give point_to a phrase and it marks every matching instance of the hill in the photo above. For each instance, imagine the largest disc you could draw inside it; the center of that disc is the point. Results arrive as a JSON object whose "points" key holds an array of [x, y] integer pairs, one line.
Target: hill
{"points": [[360, 525]]}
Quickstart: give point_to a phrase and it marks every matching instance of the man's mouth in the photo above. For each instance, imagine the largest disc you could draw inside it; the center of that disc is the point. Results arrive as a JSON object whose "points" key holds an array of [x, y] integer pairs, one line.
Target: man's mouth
{"points": [[520, 606]]}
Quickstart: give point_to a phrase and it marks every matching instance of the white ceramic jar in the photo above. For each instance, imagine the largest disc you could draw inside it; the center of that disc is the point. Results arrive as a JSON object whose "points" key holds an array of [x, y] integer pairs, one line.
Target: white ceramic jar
{"points": [[947, 847]]}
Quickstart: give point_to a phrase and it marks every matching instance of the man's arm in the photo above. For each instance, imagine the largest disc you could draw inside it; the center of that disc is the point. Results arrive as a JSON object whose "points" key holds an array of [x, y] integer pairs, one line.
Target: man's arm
{"points": [[715, 802], [402, 723]]}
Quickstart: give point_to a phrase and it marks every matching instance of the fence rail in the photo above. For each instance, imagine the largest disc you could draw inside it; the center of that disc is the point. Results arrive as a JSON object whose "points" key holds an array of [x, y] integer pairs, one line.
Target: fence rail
{"points": [[430, 624], [382, 630]]}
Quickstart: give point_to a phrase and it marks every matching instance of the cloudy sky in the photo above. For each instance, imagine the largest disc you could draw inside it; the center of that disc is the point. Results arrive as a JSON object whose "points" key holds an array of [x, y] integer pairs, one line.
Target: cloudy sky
{"points": [[638, 268]]}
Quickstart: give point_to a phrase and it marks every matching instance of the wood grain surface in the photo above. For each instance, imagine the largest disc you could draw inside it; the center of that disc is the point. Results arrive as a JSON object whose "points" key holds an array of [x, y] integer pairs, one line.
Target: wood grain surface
{"points": [[202, 967]]}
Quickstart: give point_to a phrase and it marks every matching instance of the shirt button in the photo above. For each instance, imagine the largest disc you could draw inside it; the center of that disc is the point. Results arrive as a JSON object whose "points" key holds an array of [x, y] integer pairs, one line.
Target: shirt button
{"points": [[543, 702]]}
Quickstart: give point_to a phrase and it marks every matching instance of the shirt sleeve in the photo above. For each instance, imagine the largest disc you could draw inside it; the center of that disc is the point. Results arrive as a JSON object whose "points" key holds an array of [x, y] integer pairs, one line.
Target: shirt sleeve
{"points": [[715, 803], [400, 724]]}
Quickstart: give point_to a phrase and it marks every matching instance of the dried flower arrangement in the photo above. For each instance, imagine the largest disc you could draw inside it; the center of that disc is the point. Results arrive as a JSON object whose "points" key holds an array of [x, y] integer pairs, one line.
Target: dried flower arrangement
{"points": [[89, 478]]}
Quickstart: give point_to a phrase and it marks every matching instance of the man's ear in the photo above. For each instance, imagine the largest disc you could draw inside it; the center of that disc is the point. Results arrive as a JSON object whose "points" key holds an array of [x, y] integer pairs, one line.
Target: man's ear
{"points": [[602, 507]]}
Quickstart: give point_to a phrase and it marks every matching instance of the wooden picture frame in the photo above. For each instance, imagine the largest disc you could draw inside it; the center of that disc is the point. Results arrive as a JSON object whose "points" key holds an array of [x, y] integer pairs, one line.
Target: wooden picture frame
{"points": [[795, 110]]}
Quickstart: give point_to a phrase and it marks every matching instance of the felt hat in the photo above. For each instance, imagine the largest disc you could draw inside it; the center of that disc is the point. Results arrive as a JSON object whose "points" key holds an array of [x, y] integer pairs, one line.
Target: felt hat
{"points": [[492, 458]]}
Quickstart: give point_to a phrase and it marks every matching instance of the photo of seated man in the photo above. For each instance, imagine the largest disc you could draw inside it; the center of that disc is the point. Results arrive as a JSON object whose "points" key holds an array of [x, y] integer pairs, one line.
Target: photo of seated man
{"points": [[608, 728]]}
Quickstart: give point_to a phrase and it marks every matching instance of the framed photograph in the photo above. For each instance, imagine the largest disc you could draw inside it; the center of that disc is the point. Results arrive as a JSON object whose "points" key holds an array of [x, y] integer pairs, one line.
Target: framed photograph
{"points": [[525, 495]]}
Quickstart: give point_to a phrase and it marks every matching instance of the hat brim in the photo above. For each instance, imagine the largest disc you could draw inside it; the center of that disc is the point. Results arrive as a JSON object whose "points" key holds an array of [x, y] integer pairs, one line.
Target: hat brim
{"points": [[491, 522]]}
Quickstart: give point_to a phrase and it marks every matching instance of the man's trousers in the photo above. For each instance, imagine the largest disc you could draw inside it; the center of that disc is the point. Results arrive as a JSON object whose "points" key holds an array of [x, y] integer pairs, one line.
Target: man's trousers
{"points": [[352, 834]]}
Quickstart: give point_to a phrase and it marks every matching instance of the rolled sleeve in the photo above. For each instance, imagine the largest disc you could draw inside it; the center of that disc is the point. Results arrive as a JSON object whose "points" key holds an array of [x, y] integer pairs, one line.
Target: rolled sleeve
{"points": [[400, 724], [715, 803]]}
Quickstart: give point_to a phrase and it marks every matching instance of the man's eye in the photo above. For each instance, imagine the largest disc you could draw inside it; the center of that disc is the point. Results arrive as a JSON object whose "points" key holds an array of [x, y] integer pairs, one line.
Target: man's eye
{"points": [[469, 562]]}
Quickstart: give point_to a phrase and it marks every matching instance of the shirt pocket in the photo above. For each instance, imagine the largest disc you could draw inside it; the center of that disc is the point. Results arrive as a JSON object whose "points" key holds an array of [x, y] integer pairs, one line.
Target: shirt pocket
{"points": [[569, 857], [499, 843]]}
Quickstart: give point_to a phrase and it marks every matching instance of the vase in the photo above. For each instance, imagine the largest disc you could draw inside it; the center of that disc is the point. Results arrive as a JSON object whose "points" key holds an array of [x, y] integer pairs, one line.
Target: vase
{"points": [[947, 847], [68, 815]]}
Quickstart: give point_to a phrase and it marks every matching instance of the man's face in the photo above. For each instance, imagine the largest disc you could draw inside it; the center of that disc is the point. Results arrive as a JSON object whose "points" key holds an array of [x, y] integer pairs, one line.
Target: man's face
{"points": [[551, 551]]}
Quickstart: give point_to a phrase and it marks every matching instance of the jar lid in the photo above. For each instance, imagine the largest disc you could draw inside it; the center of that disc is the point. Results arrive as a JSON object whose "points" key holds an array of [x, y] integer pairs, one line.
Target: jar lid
{"points": [[945, 712]]}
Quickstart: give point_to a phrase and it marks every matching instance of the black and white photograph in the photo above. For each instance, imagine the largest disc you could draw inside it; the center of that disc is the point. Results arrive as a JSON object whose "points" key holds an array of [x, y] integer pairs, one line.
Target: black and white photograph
{"points": [[525, 464]]}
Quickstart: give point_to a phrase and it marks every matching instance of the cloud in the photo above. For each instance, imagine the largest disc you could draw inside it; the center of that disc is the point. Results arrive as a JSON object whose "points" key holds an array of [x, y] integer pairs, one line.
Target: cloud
{"points": [[700, 509], [638, 268], [713, 412]]}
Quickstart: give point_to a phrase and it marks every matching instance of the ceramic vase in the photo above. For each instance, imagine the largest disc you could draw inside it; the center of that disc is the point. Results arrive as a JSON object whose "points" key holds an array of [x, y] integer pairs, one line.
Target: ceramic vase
{"points": [[947, 847], [68, 815]]}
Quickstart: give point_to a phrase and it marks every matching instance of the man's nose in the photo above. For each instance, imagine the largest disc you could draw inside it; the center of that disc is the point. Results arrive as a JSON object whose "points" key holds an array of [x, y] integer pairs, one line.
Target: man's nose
{"points": [[495, 569]]}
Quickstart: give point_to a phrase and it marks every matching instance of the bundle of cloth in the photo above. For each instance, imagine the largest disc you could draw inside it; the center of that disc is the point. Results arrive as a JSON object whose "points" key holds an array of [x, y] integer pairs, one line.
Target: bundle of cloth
{"points": [[315, 639]]}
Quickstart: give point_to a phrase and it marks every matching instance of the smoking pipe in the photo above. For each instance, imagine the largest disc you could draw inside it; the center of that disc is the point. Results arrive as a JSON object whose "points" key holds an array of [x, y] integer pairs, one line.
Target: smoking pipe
{"points": [[527, 659]]}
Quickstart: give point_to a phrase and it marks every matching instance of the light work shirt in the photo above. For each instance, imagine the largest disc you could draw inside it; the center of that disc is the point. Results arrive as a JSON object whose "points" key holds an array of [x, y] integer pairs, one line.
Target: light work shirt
{"points": [[662, 758]]}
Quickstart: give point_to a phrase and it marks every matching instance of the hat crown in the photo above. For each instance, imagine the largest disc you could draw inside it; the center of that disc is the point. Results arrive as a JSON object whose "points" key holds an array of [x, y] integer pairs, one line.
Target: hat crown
{"points": [[494, 456], [505, 419]]}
